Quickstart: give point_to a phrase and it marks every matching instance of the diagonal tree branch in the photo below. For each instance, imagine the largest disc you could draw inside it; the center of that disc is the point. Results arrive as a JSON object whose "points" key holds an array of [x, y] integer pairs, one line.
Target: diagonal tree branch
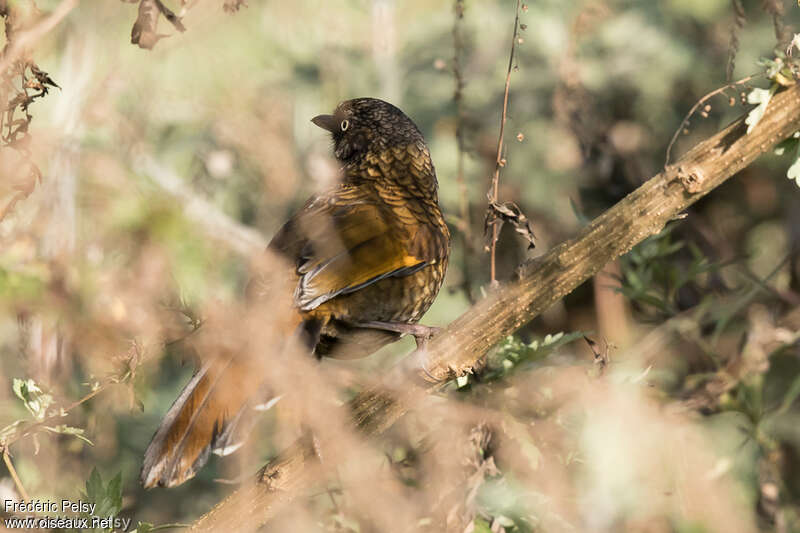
{"points": [[540, 283], [216, 224]]}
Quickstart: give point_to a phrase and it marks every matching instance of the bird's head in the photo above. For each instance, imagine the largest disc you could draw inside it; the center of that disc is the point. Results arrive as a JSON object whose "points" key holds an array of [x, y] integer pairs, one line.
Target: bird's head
{"points": [[366, 125]]}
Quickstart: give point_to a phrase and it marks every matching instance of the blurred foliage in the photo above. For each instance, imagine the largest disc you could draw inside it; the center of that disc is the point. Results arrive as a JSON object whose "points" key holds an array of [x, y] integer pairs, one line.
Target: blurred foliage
{"points": [[107, 497], [655, 274], [104, 267]]}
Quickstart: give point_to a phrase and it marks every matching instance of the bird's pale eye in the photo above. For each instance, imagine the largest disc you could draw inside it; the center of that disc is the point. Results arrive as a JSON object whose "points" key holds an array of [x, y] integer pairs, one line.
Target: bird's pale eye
{"points": [[344, 125]]}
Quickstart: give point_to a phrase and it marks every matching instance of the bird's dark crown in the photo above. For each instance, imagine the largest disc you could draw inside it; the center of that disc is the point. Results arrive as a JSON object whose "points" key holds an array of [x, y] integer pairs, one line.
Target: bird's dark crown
{"points": [[362, 125]]}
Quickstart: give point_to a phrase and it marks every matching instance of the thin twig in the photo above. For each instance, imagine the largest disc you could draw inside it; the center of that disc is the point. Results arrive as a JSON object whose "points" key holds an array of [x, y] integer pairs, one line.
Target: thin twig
{"points": [[9, 207], [499, 161], [31, 428], [14, 476], [464, 224], [696, 106]]}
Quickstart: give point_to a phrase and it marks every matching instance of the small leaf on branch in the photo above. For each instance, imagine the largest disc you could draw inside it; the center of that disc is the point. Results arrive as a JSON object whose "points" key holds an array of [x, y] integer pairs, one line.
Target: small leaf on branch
{"points": [[794, 171], [35, 400], [762, 98], [69, 430], [43, 77]]}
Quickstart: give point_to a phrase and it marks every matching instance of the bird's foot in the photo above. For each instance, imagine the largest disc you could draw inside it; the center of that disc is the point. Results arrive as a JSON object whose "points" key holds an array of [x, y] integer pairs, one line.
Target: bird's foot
{"points": [[421, 333]]}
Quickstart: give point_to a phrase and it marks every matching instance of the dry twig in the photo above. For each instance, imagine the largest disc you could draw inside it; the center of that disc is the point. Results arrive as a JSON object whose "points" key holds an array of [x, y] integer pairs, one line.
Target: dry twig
{"points": [[464, 225], [696, 106], [499, 162], [14, 475]]}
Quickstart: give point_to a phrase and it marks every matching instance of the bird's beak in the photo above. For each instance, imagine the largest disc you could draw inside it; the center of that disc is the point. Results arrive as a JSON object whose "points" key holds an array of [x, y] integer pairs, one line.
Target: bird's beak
{"points": [[326, 122]]}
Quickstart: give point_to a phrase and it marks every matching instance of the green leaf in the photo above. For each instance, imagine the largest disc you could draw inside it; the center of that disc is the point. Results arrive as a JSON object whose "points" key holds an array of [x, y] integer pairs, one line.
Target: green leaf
{"points": [[63, 429], [20, 388], [762, 98], [34, 399], [481, 526], [107, 497]]}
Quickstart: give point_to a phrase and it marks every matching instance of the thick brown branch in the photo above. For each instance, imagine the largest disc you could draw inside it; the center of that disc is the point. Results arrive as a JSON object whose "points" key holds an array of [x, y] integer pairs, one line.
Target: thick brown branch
{"points": [[541, 283]]}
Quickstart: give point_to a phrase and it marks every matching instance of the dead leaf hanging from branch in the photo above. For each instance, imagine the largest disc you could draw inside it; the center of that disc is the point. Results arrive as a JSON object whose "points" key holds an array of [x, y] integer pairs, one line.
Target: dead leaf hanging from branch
{"points": [[499, 213], [21, 83], [145, 30]]}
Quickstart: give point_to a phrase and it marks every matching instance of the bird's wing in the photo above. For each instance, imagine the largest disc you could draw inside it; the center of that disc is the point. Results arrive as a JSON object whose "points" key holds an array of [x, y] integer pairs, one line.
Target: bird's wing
{"points": [[343, 242]]}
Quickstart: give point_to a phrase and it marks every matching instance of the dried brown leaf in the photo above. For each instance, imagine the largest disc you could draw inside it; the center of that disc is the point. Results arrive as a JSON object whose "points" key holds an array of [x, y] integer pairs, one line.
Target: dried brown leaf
{"points": [[21, 83], [174, 19], [145, 30], [499, 213]]}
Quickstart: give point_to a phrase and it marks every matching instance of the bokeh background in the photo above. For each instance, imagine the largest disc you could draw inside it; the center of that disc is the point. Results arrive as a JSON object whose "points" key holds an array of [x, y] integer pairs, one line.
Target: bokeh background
{"points": [[164, 171]]}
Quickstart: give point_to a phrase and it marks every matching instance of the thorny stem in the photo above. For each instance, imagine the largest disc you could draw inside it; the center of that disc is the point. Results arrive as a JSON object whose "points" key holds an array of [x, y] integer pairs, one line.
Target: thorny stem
{"points": [[499, 161], [703, 100], [14, 476]]}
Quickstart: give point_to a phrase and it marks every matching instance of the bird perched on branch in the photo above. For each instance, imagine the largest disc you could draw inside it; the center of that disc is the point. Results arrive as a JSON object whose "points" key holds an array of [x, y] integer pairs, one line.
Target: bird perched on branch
{"points": [[367, 260]]}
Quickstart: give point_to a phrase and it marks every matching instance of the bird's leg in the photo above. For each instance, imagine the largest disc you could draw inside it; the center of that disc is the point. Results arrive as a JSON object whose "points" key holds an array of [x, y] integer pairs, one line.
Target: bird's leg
{"points": [[421, 335], [420, 332]]}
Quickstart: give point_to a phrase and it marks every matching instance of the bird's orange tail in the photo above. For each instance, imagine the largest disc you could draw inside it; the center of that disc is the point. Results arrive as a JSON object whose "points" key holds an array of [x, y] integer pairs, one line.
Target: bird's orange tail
{"points": [[207, 416], [212, 412]]}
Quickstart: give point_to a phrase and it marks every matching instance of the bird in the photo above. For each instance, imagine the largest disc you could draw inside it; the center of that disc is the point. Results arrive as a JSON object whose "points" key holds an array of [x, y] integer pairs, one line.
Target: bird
{"points": [[365, 261]]}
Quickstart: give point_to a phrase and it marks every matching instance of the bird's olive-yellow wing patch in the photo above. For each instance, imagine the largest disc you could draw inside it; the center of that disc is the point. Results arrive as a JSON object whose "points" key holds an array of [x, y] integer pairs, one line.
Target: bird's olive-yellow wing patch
{"points": [[346, 246]]}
